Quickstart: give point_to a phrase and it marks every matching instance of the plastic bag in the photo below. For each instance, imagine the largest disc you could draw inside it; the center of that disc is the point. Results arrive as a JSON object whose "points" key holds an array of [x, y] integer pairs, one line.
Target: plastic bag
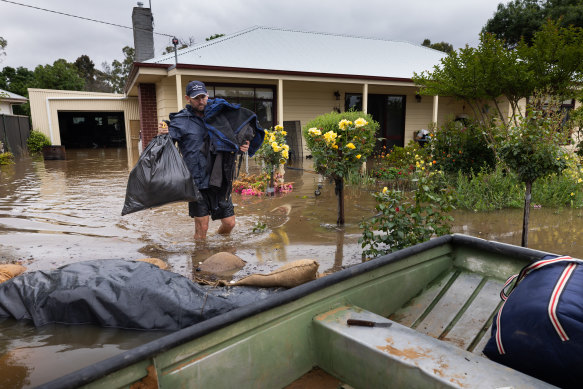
{"points": [[160, 177]]}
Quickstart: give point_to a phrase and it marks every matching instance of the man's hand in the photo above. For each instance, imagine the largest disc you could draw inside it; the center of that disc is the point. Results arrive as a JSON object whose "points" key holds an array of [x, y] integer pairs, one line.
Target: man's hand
{"points": [[162, 128], [244, 147]]}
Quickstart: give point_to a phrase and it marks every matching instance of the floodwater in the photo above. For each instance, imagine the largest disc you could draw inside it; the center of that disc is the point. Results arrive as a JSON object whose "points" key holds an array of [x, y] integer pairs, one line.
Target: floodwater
{"points": [[54, 213]]}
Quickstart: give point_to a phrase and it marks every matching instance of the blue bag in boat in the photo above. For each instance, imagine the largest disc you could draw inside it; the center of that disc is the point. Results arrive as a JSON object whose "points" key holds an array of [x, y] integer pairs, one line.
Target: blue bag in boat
{"points": [[538, 330]]}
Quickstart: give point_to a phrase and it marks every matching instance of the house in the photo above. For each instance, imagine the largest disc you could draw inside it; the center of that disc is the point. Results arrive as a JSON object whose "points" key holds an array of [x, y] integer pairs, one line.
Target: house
{"points": [[286, 76], [14, 129], [8, 100]]}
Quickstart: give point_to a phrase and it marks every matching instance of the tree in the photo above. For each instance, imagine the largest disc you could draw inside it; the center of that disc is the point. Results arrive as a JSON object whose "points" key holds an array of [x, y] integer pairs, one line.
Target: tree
{"points": [[520, 19], [95, 80], [532, 148], [17, 81], [441, 46], [61, 75], [118, 72]]}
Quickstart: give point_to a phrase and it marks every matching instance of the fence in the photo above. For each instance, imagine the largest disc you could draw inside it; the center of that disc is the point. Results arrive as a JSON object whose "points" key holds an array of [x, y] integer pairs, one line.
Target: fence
{"points": [[14, 131]]}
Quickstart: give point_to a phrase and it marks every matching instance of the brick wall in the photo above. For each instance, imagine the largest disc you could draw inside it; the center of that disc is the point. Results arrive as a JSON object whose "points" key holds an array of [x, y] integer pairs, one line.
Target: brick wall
{"points": [[148, 112]]}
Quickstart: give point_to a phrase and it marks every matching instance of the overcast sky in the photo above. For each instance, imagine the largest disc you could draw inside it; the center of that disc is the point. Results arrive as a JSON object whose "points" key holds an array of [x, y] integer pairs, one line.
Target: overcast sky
{"points": [[37, 37]]}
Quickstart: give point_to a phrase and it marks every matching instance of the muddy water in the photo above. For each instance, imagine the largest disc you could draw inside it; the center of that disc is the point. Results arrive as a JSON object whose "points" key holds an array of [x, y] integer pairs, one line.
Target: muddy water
{"points": [[57, 212]]}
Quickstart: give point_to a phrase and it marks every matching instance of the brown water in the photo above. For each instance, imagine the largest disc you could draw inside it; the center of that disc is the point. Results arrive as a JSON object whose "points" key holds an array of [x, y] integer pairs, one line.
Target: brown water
{"points": [[57, 212]]}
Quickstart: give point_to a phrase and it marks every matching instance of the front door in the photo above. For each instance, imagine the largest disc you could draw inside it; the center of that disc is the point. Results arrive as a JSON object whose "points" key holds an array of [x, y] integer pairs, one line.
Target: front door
{"points": [[388, 111]]}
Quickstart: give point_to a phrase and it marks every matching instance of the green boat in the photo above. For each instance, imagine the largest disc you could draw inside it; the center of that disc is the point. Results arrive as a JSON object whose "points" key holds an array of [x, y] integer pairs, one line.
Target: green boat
{"points": [[427, 312]]}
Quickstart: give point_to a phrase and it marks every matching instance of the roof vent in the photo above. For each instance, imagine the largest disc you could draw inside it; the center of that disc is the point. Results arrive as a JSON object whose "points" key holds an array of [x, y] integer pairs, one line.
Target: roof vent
{"points": [[140, 4]]}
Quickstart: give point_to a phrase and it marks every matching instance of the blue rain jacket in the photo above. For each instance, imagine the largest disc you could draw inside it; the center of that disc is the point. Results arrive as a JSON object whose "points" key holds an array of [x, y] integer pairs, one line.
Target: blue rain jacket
{"points": [[219, 130]]}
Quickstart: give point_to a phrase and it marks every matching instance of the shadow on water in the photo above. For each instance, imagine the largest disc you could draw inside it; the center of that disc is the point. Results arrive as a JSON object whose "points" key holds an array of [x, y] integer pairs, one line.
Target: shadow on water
{"points": [[57, 212]]}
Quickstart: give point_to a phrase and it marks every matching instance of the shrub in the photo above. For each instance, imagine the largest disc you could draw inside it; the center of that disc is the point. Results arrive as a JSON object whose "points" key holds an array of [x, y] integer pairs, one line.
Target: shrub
{"points": [[460, 146], [402, 222], [36, 141], [6, 158]]}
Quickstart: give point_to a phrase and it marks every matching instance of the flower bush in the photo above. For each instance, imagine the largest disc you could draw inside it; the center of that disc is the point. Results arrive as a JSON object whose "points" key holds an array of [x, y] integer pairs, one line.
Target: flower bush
{"points": [[256, 185], [274, 150], [402, 222], [340, 142]]}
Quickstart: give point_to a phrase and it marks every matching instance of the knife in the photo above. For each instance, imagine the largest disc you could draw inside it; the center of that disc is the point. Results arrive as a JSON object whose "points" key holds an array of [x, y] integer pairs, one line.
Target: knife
{"points": [[367, 323]]}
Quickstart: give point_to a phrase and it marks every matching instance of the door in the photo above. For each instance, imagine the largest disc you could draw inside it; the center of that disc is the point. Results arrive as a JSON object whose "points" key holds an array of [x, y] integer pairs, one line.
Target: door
{"points": [[134, 141], [388, 111]]}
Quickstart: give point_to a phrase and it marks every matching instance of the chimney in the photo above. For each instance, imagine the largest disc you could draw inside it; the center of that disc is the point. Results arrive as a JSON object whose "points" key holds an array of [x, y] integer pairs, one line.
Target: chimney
{"points": [[143, 24]]}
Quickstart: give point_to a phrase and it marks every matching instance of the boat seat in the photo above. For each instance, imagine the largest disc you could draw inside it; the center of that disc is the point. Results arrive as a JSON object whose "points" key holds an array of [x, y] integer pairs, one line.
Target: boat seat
{"points": [[362, 357]]}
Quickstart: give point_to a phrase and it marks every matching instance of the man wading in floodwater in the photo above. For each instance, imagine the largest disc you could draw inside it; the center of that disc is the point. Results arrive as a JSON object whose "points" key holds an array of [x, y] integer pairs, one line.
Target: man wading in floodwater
{"points": [[210, 134]]}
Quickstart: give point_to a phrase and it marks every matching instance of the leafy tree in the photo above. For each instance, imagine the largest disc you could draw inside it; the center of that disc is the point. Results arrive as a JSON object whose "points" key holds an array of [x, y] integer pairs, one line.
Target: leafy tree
{"points": [[520, 19], [118, 72], [532, 147], [95, 80], [17, 81], [215, 36], [441, 46], [60, 75]]}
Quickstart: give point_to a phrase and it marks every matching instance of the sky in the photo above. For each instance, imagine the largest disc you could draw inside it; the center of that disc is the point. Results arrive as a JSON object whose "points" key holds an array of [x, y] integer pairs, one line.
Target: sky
{"points": [[39, 37]]}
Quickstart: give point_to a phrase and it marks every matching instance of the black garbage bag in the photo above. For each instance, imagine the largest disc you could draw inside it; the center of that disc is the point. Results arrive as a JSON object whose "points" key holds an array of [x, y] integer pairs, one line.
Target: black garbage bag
{"points": [[117, 293], [160, 177]]}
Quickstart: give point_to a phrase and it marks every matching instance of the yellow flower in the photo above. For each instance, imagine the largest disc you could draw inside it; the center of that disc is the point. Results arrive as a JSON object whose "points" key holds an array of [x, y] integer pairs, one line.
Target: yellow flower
{"points": [[278, 127], [314, 131], [275, 147], [284, 133], [343, 124], [335, 147], [385, 189], [360, 122], [272, 138], [285, 154], [579, 181], [285, 147], [572, 194], [330, 137], [358, 156], [351, 146]]}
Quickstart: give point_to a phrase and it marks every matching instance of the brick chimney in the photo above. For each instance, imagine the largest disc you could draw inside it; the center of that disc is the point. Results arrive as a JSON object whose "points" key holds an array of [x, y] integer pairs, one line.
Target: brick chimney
{"points": [[143, 24]]}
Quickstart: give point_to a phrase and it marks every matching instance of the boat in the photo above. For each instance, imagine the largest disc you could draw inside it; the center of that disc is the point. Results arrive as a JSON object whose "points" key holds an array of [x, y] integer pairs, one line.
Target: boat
{"points": [[427, 312]]}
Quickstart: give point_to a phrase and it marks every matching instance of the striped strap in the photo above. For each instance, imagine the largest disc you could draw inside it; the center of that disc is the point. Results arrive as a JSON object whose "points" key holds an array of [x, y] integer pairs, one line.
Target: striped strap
{"points": [[554, 301]]}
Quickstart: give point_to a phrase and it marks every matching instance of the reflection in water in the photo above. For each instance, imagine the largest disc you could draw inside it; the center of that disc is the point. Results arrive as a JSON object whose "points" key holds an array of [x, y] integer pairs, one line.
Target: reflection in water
{"points": [[57, 212]]}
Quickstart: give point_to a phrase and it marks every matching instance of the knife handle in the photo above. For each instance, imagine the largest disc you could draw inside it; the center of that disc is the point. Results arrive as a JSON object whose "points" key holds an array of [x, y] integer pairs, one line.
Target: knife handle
{"points": [[356, 322]]}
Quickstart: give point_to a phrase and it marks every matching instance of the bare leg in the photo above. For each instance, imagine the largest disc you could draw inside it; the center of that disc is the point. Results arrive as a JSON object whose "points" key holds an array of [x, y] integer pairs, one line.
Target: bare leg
{"points": [[201, 226], [227, 225]]}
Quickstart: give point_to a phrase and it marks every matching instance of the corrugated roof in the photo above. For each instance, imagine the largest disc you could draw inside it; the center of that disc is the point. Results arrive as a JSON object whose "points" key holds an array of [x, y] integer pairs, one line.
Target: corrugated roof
{"points": [[11, 96], [288, 50]]}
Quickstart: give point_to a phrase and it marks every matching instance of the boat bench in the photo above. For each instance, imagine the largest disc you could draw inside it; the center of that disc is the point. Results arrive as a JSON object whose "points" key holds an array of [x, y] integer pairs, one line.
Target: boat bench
{"points": [[397, 356]]}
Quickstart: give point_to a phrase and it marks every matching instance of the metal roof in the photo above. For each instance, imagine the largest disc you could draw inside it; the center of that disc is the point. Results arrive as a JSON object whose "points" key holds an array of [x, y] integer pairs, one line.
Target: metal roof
{"points": [[4, 94], [298, 51]]}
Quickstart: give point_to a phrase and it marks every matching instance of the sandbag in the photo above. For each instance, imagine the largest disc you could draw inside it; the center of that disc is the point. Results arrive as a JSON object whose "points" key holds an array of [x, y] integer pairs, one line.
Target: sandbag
{"points": [[289, 275], [9, 270], [539, 328], [155, 261], [159, 177], [222, 264]]}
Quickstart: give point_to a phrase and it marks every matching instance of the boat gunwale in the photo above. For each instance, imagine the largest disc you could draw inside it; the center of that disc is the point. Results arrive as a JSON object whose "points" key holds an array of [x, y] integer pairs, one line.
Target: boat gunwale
{"points": [[138, 354]]}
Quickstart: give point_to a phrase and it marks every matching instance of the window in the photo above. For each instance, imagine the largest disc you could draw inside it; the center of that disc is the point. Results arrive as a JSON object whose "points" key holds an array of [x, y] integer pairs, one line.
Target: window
{"points": [[257, 99]]}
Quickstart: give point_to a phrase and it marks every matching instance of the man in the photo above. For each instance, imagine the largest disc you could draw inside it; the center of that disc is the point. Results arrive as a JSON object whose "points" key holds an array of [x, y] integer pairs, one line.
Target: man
{"points": [[210, 154]]}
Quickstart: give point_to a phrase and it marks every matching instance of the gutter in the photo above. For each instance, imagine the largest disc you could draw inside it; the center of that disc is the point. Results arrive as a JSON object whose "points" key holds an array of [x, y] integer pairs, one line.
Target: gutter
{"points": [[48, 106]]}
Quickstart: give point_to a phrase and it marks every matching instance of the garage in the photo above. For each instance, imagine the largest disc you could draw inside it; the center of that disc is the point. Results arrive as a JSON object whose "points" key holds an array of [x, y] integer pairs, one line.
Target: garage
{"points": [[92, 129]]}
